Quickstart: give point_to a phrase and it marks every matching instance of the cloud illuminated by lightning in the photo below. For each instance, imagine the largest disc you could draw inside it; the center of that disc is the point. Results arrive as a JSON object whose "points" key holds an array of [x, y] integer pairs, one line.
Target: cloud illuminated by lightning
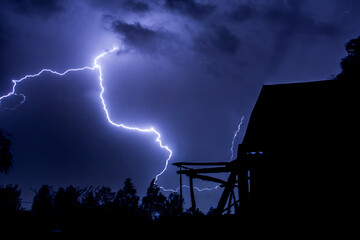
{"points": [[95, 67]]}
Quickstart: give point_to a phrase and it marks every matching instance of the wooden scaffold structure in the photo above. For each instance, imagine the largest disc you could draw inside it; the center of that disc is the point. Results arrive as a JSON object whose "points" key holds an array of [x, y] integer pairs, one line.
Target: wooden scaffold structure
{"points": [[236, 193]]}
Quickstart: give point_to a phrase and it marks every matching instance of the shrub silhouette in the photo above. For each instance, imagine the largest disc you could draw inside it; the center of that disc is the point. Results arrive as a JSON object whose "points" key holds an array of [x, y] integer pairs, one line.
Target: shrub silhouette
{"points": [[351, 63], [154, 203], [10, 201], [6, 157], [43, 203], [126, 200]]}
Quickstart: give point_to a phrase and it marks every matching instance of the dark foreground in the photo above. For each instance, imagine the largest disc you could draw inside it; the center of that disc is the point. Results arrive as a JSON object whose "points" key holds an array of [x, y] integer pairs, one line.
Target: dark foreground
{"points": [[193, 227]]}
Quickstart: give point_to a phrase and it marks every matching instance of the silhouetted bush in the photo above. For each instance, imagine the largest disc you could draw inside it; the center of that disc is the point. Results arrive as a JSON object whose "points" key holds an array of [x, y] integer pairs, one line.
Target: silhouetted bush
{"points": [[89, 201], [67, 201], [10, 201], [350, 64], [126, 201], [6, 157], [154, 203], [43, 203]]}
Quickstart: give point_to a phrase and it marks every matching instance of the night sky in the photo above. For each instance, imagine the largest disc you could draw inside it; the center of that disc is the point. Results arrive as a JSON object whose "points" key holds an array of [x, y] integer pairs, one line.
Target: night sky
{"points": [[189, 68]]}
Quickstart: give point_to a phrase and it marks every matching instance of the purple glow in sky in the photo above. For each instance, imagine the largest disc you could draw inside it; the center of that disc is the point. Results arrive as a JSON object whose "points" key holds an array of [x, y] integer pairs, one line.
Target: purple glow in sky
{"points": [[189, 69]]}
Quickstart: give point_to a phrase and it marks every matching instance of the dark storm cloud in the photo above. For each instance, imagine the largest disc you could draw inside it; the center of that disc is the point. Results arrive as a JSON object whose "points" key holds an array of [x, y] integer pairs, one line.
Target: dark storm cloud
{"points": [[190, 8], [289, 15], [43, 8], [224, 40], [129, 5], [138, 36], [297, 21], [242, 13], [218, 39], [290, 23], [3, 32], [136, 6]]}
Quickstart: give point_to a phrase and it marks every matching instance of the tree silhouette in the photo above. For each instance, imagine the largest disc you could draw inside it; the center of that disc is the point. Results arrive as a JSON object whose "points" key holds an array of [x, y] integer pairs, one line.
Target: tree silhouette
{"points": [[351, 63], [43, 204], [174, 205], [127, 200], [154, 203], [6, 157], [10, 201], [89, 200], [66, 202], [211, 212], [105, 198]]}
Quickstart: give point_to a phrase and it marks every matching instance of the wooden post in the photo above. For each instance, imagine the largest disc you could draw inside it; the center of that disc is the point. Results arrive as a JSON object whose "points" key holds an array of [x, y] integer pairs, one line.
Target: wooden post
{"points": [[235, 203], [226, 193], [230, 202], [243, 185], [239, 193], [193, 203], [181, 195]]}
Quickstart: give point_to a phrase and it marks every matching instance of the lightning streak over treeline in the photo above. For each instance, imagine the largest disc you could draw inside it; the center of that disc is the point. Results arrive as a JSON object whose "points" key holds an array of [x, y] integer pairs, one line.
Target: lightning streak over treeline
{"points": [[95, 67]]}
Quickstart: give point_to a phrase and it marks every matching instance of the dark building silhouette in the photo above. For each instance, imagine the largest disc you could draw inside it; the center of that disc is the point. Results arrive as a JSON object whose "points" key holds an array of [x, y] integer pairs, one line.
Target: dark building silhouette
{"points": [[295, 171], [298, 155]]}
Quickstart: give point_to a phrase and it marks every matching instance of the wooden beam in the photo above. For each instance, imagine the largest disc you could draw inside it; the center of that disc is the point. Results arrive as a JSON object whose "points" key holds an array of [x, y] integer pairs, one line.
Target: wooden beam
{"points": [[205, 170], [179, 164], [233, 204], [210, 179]]}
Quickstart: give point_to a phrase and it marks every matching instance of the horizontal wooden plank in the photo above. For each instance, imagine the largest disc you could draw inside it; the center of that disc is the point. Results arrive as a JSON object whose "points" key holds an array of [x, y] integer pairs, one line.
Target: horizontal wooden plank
{"points": [[179, 164]]}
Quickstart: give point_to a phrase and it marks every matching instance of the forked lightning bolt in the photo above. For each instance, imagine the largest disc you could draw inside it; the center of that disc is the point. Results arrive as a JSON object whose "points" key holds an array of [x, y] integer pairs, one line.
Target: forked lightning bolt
{"points": [[95, 67], [233, 140]]}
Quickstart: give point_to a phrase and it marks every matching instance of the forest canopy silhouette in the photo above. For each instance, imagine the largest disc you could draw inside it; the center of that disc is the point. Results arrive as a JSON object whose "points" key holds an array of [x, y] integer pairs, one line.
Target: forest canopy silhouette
{"points": [[88, 210]]}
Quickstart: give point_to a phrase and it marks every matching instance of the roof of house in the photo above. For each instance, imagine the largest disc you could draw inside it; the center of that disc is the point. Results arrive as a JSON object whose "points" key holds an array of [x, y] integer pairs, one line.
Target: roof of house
{"points": [[298, 114]]}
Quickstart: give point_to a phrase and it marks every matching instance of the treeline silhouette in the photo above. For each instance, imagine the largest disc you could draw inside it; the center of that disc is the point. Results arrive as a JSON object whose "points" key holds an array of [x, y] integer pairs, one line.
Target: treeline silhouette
{"points": [[90, 211]]}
